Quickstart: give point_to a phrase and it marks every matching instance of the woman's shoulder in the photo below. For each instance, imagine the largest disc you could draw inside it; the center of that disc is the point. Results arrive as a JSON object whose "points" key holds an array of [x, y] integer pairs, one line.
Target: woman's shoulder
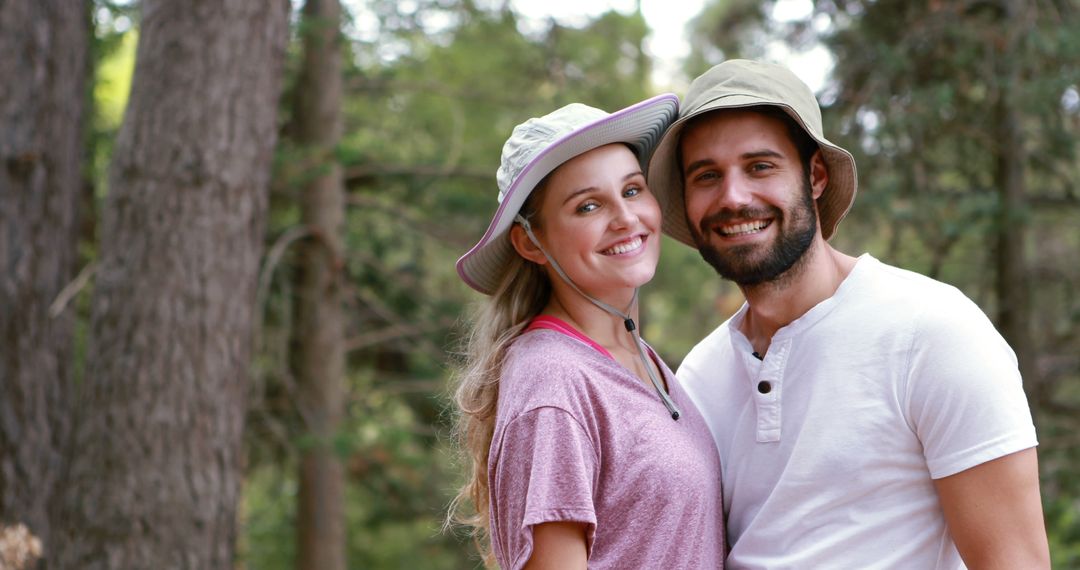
{"points": [[548, 351], [547, 368]]}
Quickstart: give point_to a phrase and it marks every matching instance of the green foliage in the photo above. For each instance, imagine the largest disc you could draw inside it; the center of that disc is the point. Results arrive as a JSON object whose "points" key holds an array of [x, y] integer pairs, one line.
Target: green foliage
{"points": [[1063, 530], [113, 82], [728, 29], [113, 53], [268, 517], [394, 503]]}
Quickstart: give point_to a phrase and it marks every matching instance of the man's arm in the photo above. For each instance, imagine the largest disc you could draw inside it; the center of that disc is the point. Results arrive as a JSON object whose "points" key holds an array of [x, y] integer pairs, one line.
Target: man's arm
{"points": [[994, 513]]}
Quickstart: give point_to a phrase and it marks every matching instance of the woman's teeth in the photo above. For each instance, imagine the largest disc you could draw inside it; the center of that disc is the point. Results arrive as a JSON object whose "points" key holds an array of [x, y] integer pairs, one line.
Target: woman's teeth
{"points": [[624, 247]]}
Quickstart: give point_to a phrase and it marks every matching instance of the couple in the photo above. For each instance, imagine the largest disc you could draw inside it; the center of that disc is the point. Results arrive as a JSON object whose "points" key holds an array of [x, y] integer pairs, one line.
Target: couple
{"points": [[850, 415]]}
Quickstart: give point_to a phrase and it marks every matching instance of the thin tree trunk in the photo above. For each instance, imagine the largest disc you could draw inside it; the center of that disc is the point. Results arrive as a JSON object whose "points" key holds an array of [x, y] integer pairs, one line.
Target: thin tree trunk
{"points": [[318, 355], [1013, 291], [156, 470], [44, 46]]}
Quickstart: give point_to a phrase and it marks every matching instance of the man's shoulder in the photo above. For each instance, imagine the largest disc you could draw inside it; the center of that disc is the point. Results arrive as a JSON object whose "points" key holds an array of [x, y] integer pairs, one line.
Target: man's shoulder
{"points": [[911, 278], [706, 352], [936, 311], [910, 292]]}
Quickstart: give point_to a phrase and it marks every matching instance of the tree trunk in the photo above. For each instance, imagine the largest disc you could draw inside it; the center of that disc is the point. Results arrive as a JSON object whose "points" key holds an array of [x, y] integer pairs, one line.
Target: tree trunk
{"points": [[1013, 291], [156, 469], [43, 68], [318, 355]]}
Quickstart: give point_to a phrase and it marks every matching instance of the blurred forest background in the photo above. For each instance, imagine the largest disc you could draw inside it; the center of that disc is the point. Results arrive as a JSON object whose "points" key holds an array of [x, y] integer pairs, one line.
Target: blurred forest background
{"points": [[228, 305]]}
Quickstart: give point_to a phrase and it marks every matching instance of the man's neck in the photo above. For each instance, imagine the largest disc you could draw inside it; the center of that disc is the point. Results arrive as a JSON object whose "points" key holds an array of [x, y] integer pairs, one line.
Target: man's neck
{"points": [[775, 304]]}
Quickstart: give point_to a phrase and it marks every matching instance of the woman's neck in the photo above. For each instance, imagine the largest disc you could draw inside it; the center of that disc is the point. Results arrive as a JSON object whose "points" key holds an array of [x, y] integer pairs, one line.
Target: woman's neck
{"points": [[606, 329], [602, 327]]}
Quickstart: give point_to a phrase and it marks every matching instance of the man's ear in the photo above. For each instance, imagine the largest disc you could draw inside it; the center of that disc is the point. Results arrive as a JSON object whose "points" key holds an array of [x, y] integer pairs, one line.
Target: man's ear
{"points": [[525, 247], [819, 174]]}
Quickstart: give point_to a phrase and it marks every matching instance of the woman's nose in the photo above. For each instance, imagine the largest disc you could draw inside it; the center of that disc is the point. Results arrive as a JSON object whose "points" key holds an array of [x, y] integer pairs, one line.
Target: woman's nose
{"points": [[624, 215]]}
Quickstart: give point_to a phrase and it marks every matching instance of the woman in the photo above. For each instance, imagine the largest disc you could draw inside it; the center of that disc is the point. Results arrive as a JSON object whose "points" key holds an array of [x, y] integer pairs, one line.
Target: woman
{"points": [[584, 449]]}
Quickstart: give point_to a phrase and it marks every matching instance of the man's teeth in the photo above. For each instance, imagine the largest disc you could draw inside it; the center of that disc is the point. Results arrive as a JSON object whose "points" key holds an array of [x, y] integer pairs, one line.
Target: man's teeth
{"points": [[739, 229], [624, 247]]}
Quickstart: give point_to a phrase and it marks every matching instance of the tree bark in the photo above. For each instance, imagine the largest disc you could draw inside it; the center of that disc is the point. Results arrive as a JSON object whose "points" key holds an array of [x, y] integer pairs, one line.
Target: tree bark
{"points": [[44, 46], [318, 345], [156, 469], [1013, 288]]}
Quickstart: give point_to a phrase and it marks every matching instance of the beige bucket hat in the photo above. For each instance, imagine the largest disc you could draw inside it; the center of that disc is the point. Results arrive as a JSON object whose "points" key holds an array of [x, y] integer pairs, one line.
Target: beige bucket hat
{"points": [[744, 83]]}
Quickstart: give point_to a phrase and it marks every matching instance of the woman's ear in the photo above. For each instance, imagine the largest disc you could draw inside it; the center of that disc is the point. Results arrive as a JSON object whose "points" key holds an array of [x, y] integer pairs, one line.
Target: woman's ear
{"points": [[525, 247], [819, 174]]}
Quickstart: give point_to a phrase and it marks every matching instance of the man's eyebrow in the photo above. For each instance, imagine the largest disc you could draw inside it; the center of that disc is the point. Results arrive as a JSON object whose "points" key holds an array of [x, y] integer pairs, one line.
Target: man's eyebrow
{"points": [[764, 153], [696, 165], [581, 191]]}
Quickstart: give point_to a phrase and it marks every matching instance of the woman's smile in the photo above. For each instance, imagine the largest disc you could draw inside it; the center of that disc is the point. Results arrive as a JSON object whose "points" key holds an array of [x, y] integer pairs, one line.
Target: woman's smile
{"points": [[631, 245]]}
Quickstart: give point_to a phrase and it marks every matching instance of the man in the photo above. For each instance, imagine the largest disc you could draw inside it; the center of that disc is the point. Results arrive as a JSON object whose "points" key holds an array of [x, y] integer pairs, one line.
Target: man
{"points": [[866, 416]]}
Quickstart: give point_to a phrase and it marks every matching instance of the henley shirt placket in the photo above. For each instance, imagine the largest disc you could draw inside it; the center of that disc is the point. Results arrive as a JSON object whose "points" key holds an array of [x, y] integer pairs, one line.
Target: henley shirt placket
{"points": [[768, 385]]}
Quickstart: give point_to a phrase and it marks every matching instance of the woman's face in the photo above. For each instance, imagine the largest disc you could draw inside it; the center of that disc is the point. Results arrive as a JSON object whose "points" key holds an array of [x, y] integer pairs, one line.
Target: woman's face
{"points": [[599, 221]]}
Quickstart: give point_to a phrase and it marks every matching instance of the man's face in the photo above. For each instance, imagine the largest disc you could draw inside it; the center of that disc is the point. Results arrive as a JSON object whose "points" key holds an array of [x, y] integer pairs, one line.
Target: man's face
{"points": [[749, 202]]}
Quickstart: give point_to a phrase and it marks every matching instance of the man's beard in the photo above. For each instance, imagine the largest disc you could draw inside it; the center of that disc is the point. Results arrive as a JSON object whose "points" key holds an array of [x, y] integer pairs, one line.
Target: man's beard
{"points": [[738, 263]]}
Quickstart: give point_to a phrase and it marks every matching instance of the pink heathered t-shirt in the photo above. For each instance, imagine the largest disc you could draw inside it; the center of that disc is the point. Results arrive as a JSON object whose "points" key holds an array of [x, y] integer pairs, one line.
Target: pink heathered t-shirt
{"points": [[579, 438]]}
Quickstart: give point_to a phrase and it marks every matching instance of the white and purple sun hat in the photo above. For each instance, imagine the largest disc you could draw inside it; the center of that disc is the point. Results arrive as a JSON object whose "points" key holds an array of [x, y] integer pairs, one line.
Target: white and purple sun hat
{"points": [[539, 146]]}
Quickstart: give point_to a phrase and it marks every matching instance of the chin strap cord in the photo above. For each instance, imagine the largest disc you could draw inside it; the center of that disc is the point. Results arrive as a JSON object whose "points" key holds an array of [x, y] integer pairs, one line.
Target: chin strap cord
{"points": [[628, 322]]}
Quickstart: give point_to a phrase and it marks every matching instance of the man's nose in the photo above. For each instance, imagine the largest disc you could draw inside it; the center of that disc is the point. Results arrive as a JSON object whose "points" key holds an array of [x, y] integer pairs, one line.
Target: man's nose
{"points": [[733, 192]]}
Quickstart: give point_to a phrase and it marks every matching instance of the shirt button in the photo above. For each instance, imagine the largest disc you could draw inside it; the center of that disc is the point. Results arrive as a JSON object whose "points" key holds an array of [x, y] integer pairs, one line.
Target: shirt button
{"points": [[764, 387]]}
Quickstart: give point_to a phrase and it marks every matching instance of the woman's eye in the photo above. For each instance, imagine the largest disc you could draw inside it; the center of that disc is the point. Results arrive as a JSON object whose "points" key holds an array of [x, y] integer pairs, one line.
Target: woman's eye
{"points": [[631, 192], [587, 207]]}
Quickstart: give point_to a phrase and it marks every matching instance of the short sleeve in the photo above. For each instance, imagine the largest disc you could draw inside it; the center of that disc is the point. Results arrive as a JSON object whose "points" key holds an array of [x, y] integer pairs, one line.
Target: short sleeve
{"points": [[966, 397], [546, 471]]}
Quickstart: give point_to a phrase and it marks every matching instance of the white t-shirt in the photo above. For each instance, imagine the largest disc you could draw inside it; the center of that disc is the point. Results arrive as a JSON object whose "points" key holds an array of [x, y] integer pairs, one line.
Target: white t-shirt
{"points": [[829, 446]]}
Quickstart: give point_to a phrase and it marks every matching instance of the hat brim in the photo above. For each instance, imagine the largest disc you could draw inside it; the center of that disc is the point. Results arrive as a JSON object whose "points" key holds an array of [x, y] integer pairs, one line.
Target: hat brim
{"points": [[640, 125], [666, 180]]}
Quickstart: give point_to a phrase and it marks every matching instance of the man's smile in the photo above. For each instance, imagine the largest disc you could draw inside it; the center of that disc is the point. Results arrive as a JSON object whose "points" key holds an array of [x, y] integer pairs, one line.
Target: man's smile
{"points": [[744, 228]]}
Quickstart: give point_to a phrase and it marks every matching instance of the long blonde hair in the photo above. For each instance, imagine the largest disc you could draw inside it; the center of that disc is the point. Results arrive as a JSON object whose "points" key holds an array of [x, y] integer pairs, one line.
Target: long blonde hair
{"points": [[524, 291]]}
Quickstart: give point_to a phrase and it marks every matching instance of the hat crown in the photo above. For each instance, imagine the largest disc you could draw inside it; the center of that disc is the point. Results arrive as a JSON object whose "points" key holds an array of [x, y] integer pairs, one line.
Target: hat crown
{"points": [[537, 134], [771, 83]]}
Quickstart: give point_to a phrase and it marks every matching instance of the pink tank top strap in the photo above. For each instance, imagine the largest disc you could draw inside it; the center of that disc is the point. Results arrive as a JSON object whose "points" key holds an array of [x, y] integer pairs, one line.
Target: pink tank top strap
{"points": [[559, 325]]}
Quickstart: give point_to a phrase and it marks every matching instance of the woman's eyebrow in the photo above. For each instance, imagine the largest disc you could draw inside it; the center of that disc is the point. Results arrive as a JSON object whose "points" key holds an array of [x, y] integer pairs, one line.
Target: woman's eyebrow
{"points": [[581, 191]]}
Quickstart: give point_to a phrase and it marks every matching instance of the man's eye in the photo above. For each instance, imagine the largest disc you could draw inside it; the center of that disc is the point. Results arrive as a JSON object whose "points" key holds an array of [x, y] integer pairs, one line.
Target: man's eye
{"points": [[760, 166], [706, 176]]}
